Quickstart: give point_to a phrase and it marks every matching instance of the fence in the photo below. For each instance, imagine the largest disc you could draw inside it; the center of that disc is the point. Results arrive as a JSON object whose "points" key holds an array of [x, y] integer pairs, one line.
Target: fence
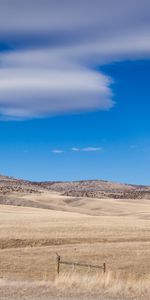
{"points": [[59, 262]]}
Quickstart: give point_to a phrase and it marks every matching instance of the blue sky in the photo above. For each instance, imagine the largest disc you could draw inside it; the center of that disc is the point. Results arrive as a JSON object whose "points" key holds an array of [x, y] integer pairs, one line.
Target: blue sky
{"points": [[74, 90]]}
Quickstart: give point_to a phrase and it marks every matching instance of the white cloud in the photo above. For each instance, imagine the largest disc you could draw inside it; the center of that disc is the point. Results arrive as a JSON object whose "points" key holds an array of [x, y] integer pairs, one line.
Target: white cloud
{"points": [[75, 149], [91, 149], [57, 151], [41, 92], [87, 149], [51, 69]]}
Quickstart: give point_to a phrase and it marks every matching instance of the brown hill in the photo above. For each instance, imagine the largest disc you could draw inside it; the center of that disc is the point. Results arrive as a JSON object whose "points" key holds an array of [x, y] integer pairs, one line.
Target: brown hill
{"points": [[84, 188], [98, 189], [86, 196]]}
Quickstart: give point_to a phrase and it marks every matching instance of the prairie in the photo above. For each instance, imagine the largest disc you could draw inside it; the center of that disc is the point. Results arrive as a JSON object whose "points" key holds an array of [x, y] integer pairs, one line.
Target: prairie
{"points": [[113, 231]]}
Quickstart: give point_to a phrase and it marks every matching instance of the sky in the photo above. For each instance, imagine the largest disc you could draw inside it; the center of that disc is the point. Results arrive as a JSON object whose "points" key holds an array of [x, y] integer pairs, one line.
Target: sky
{"points": [[74, 90]]}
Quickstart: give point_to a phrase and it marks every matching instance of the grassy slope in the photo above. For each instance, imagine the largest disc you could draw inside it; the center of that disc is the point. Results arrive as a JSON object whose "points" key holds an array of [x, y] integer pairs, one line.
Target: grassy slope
{"points": [[40, 222], [118, 235]]}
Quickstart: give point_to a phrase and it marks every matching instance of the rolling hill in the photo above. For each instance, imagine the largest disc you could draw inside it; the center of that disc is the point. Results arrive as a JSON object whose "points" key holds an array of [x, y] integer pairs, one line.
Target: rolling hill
{"points": [[85, 196]]}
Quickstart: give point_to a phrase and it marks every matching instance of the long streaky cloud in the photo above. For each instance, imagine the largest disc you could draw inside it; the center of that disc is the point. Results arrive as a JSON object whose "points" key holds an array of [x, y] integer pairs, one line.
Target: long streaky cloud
{"points": [[75, 149], [52, 52], [57, 151], [91, 149], [87, 149]]}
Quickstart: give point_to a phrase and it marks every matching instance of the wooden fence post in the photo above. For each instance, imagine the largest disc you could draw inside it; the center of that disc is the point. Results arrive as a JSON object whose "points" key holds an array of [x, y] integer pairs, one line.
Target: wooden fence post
{"points": [[58, 263], [104, 267]]}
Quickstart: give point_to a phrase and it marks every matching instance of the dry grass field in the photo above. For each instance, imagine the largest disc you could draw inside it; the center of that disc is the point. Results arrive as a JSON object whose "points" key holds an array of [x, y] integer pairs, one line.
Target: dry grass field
{"points": [[82, 230]]}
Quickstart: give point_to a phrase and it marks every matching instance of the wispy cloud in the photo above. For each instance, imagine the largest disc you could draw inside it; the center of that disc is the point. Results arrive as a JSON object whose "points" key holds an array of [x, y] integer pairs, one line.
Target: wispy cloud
{"points": [[91, 149], [57, 151], [87, 149], [75, 149], [51, 68]]}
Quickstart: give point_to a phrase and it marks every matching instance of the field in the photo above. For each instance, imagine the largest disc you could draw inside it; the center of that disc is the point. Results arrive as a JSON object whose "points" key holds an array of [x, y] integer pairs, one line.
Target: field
{"points": [[86, 230]]}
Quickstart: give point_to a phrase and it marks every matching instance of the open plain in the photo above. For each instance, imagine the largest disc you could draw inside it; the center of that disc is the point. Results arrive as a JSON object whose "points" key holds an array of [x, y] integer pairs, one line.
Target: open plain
{"points": [[34, 226]]}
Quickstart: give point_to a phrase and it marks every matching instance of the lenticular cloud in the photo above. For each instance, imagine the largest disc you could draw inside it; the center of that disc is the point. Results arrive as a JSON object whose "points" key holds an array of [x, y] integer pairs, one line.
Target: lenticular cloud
{"points": [[50, 57], [26, 93]]}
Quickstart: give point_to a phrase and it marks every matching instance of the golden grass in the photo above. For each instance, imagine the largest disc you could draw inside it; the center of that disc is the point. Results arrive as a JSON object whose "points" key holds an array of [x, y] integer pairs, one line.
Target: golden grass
{"points": [[110, 283], [119, 235], [69, 285]]}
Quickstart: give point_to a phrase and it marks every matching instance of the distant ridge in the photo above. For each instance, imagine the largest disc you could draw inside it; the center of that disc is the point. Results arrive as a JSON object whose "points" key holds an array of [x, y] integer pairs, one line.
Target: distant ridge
{"points": [[82, 188]]}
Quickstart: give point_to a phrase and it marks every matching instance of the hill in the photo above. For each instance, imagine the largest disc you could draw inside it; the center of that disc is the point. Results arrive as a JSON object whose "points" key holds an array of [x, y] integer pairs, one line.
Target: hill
{"points": [[86, 196], [98, 189], [85, 228], [83, 188]]}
